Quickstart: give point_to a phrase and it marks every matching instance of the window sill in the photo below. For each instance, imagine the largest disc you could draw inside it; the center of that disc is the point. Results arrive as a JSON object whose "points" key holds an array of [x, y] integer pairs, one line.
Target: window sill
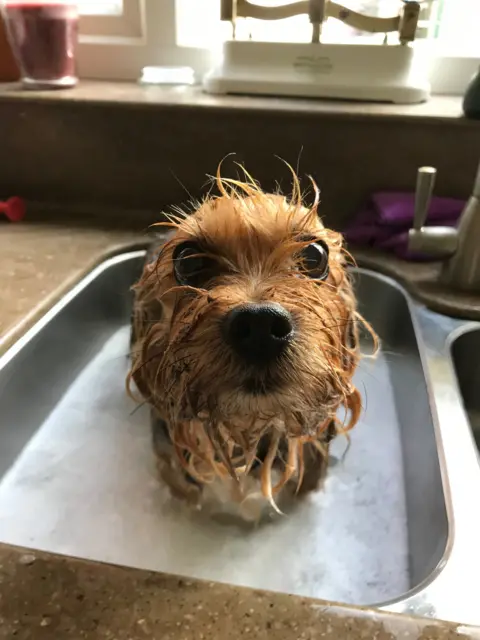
{"points": [[125, 94]]}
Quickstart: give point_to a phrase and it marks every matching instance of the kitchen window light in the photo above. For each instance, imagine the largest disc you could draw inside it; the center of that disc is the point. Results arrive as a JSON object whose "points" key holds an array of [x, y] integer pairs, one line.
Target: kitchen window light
{"points": [[120, 37]]}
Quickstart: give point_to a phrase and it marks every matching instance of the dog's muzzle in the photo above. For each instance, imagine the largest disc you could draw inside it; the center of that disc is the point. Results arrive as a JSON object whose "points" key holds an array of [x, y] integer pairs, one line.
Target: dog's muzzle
{"points": [[258, 333]]}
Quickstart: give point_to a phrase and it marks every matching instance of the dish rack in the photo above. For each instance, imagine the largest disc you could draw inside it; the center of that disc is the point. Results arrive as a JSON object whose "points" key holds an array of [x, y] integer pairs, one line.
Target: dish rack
{"points": [[369, 72]]}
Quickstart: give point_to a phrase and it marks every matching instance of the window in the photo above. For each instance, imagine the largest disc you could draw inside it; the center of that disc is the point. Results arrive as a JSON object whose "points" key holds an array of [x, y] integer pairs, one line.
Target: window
{"points": [[457, 44], [101, 7], [110, 19], [120, 37], [297, 29]]}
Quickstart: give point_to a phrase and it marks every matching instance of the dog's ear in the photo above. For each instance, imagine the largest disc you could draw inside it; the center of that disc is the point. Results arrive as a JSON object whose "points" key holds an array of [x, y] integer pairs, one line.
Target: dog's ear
{"points": [[147, 309], [144, 314], [351, 343], [137, 375], [351, 332]]}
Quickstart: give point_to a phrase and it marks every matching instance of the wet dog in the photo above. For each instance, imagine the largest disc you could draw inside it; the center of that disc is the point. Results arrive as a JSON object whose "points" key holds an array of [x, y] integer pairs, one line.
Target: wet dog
{"points": [[244, 343]]}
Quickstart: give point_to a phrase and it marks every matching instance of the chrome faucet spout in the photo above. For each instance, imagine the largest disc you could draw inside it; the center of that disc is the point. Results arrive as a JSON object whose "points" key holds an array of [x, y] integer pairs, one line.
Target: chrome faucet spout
{"points": [[458, 248]]}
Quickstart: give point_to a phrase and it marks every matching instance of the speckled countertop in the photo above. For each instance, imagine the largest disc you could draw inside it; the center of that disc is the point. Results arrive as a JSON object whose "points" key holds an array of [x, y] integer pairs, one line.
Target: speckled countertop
{"points": [[45, 596], [48, 596], [40, 262]]}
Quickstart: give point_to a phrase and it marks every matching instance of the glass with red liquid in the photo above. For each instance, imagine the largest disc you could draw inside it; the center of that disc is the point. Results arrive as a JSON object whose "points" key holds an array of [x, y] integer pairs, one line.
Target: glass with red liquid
{"points": [[43, 35]]}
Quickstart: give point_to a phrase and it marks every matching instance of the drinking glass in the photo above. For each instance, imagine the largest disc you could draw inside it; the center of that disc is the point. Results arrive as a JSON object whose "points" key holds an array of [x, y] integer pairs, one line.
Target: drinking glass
{"points": [[43, 35]]}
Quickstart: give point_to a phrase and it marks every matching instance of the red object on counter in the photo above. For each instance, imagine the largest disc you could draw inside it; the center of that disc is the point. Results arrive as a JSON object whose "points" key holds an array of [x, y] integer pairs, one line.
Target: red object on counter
{"points": [[14, 208]]}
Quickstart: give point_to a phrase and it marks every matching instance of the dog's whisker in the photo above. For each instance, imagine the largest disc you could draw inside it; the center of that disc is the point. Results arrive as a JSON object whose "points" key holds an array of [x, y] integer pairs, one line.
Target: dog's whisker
{"points": [[138, 407]]}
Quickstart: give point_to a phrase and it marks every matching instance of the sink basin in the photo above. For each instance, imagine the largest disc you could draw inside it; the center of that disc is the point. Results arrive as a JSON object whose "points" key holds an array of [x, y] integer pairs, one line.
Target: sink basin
{"points": [[467, 368], [78, 477]]}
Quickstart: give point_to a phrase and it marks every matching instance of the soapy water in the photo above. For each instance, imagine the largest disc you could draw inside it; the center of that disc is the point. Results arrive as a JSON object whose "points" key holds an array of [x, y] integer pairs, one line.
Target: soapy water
{"points": [[86, 485]]}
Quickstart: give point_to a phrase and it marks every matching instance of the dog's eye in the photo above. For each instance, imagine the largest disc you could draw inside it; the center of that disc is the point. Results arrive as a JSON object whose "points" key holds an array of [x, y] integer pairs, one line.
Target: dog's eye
{"points": [[314, 260], [191, 266]]}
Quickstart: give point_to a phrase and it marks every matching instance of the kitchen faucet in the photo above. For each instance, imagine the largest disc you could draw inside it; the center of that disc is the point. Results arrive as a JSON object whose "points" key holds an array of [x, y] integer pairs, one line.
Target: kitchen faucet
{"points": [[459, 247]]}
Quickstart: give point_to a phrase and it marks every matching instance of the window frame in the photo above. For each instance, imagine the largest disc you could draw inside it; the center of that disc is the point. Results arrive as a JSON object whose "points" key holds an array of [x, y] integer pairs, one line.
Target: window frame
{"points": [[128, 24], [450, 75], [117, 47]]}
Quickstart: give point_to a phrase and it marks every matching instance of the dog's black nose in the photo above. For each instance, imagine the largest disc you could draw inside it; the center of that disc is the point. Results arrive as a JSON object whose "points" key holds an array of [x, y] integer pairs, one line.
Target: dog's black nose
{"points": [[258, 333]]}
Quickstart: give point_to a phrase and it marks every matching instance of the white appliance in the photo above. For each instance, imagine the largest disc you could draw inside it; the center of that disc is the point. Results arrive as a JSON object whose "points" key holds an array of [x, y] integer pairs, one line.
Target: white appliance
{"points": [[368, 72]]}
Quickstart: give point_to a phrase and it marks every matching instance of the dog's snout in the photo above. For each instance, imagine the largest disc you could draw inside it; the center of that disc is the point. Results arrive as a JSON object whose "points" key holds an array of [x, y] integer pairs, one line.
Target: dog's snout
{"points": [[258, 333]]}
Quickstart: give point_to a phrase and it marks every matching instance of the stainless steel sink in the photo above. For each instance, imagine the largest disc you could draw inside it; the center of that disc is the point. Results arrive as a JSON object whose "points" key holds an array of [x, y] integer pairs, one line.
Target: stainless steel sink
{"points": [[466, 359], [393, 528]]}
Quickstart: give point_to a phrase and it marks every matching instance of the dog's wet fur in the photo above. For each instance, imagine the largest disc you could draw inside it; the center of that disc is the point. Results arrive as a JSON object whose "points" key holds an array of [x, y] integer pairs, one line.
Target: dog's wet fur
{"points": [[244, 343]]}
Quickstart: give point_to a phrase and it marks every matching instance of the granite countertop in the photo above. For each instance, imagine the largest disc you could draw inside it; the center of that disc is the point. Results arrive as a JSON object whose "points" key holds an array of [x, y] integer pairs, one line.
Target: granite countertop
{"points": [[40, 262], [48, 596]]}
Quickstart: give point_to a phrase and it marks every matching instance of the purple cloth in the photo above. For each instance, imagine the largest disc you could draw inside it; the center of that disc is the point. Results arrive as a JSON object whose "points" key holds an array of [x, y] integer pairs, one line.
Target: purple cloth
{"points": [[386, 219]]}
